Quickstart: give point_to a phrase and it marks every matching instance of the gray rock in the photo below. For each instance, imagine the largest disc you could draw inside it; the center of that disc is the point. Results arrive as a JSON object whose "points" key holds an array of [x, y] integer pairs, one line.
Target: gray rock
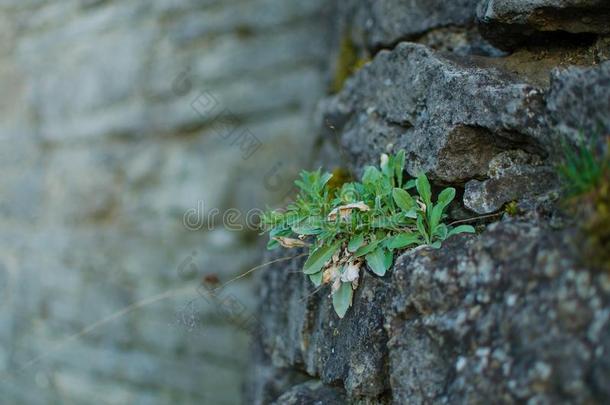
{"points": [[459, 40], [314, 393], [450, 115], [579, 100], [453, 116], [510, 317], [300, 330], [513, 175], [382, 23], [266, 382], [507, 316], [506, 23]]}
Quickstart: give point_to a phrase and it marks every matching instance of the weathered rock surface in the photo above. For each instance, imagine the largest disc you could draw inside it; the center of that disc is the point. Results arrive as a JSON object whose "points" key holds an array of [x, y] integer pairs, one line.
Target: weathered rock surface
{"points": [[451, 116], [507, 315], [455, 116], [579, 100], [300, 329], [382, 23], [509, 22], [459, 40], [513, 175], [314, 393]]}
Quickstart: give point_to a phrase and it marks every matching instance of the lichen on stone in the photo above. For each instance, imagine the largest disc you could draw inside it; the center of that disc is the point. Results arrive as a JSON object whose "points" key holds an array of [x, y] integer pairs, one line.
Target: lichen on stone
{"points": [[348, 62]]}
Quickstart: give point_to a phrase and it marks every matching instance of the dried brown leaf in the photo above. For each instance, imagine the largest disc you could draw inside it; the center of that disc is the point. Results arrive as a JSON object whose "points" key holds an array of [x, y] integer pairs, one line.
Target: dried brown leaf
{"points": [[290, 242], [345, 211]]}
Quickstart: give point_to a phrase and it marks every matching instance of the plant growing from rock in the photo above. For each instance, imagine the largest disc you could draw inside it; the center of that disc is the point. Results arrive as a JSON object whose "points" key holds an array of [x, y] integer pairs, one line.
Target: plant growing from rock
{"points": [[585, 175], [359, 223], [585, 166]]}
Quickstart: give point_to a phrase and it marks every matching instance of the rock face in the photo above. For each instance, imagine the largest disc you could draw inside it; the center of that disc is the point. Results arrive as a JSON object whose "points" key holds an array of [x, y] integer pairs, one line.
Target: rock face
{"points": [[506, 315], [579, 100], [459, 119], [381, 23], [513, 175], [314, 393], [451, 116], [300, 328], [509, 22], [510, 315]]}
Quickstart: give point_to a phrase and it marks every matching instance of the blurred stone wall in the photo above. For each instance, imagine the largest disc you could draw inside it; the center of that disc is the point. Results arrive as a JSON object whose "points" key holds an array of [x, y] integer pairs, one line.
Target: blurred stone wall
{"points": [[110, 134]]}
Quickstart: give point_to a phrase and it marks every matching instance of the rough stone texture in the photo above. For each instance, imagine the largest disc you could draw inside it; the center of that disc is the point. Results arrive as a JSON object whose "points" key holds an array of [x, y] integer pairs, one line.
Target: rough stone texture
{"points": [[102, 154], [509, 22], [452, 117], [304, 331], [579, 100], [459, 40], [506, 315], [512, 175], [314, 393], [510, 315], [382, 23]]}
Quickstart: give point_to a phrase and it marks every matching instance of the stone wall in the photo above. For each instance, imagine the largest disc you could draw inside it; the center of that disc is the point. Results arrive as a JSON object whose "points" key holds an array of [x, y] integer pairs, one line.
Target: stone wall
{"points": [[106, 141], [480, 94]]}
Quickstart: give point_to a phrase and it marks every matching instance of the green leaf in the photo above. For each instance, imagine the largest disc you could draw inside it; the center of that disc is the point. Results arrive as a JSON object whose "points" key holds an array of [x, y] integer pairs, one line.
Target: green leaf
{"points": [[446, 196], [403, 199], [363, 250], [399, 166], [441, 232], [412, 213], [319, 257], [272, 244], [342, 299], [423, 188], [378, 203], [436, 245], [324, 179], [378, 261], [422, 228], [410, 184], [349, 193], [306, 230], [279, 231], [371, 175], [404, 239], [387, 259], [387, 222], [355, 243], [435, 217], [461, 229], [316, 278]]}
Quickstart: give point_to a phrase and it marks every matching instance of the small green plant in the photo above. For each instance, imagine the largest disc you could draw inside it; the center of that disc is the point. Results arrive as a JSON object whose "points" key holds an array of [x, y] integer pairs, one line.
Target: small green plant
{"points": [[358, 223], [585, 175], [512, 209], [584, 166]]}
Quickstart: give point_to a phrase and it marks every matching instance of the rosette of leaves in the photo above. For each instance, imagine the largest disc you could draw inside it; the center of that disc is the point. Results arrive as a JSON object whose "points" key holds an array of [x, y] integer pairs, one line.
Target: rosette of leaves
{"points": [[360, 223]]}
